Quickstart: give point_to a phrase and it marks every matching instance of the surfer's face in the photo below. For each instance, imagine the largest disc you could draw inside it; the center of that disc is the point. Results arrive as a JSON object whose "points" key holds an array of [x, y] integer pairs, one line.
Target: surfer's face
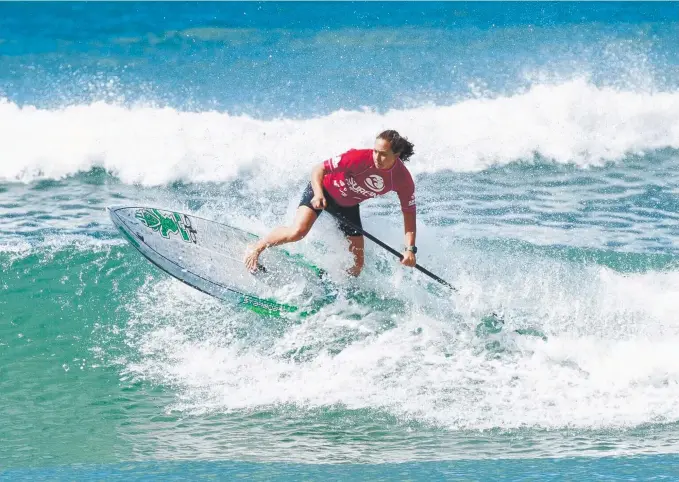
{"points": [[383, 156]]}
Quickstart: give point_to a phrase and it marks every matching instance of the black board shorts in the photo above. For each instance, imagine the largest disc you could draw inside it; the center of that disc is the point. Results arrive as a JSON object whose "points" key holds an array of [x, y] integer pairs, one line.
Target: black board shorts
{"points": [[351, 214]]}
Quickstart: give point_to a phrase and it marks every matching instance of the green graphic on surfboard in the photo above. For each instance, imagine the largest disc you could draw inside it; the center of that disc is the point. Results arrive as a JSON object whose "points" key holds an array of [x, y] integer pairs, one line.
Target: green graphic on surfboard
{"points": [[174, 223]]}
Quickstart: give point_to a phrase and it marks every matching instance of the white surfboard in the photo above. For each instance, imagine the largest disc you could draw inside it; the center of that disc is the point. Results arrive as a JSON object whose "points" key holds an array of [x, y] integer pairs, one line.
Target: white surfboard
{"points": [[209, 257]]}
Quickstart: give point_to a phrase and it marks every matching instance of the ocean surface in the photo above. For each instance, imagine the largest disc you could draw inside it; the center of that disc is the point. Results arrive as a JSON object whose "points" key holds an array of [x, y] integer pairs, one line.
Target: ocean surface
{"points": [[547, 174]]}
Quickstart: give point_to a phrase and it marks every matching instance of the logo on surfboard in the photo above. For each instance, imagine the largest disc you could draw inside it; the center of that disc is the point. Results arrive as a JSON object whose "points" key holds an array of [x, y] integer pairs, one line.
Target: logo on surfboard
{"points": [[174, 223]]}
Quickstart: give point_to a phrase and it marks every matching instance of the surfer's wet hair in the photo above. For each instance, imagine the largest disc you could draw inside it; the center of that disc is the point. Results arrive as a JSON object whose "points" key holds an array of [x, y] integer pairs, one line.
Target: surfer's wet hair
{"points": [[399, 145]]}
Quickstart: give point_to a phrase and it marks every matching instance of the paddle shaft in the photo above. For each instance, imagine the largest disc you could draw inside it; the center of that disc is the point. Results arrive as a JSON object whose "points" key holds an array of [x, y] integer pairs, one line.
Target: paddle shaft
{"points": [[391, 250]]}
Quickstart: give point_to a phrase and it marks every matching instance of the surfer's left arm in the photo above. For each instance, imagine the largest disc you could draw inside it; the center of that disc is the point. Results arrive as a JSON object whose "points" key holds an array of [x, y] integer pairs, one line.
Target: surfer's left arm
{"points": [[410, 226], [406, 195]]}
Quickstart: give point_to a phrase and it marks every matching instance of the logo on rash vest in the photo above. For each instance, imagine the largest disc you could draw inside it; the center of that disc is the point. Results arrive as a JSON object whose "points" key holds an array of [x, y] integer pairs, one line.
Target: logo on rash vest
{"points": [[353, 185], [340, 187], [375, 182]]}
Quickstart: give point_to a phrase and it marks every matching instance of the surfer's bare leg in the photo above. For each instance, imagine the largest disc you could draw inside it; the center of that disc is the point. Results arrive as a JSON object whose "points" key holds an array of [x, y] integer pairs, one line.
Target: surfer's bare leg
{"points": [[356, 247], [304, 219]]}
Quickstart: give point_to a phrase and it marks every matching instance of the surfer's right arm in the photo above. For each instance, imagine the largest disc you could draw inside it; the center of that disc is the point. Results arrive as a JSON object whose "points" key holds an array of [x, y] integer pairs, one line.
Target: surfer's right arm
{"points": [[318, 201]]}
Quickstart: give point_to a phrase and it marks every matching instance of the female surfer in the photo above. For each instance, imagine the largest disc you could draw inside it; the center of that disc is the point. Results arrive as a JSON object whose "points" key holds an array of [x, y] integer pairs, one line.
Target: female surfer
{"points": [[340, 184]]}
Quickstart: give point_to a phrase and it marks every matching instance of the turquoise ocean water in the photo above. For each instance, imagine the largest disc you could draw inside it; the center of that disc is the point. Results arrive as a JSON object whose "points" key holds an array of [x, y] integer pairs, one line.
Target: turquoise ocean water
{"points": [[547, 156]]}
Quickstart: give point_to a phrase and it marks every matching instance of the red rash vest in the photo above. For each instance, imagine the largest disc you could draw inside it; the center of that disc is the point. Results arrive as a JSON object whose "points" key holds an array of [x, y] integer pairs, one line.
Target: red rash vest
{"points": [[352, 177]]}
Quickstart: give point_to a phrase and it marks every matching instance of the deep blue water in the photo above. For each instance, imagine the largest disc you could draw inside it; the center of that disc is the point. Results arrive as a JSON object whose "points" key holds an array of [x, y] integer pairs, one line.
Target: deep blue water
{"points": [[299, 59]]}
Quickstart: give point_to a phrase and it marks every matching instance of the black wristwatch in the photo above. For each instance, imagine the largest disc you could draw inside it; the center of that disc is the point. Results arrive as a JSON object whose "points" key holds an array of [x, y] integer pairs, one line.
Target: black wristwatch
{"points": [[411, 248]]}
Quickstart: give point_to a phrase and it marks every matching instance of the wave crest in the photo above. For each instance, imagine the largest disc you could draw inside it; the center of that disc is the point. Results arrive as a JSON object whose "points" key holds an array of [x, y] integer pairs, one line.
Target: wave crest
{"points": [[572, 122]]}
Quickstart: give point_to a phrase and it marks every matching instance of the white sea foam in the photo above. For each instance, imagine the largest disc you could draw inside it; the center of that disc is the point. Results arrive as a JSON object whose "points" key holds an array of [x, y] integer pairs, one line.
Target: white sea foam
{"points": [[609, 360], [570, 122]]}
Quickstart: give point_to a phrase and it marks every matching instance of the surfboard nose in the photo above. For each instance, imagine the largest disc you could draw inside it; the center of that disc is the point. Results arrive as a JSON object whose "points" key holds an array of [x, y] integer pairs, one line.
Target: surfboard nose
{"points": [[112, 212]]}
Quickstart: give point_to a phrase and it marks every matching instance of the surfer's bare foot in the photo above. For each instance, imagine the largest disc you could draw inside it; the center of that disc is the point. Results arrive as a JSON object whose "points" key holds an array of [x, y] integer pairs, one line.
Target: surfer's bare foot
{"points": [[252, 258]]}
